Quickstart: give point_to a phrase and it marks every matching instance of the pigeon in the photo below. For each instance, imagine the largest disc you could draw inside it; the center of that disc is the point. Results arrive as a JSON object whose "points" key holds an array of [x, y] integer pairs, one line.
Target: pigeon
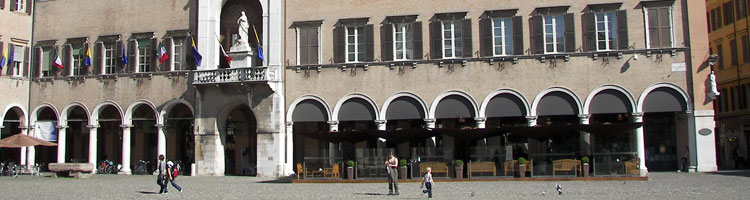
{"points": [[559, 189], [472, 194], [544, 192]]}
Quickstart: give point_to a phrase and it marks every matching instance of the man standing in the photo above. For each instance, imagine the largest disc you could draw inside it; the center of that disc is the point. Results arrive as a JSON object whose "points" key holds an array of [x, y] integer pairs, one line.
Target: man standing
{"points": [[392, 167], [161, 179]]}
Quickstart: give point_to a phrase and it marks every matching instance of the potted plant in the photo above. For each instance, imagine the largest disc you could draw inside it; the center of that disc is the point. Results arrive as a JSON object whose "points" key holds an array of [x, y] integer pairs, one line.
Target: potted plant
{"points": [[585, 160], [459, 164], [402, 169], [350, 169], [521, 167]]}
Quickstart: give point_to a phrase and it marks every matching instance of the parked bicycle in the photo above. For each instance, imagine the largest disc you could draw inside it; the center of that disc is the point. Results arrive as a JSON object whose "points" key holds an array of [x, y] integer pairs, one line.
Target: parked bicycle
{"points": [[107, 167], [9, 169], [141, 168]]}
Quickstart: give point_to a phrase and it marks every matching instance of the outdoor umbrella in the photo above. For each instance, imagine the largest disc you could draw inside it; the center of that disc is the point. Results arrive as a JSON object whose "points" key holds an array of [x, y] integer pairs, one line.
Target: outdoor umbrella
{"points": [[337, 137], [401, 136], [608, 129], [21, 140], [471, 135]]}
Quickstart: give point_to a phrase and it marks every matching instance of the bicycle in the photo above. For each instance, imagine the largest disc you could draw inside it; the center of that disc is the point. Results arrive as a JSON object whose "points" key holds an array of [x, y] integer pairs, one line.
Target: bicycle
{"points": [[107, 167], [141, 167]]}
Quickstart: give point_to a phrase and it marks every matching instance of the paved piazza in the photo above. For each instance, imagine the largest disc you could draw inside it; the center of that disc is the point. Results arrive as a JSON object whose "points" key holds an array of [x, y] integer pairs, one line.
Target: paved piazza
{"points": [[725, 185]]}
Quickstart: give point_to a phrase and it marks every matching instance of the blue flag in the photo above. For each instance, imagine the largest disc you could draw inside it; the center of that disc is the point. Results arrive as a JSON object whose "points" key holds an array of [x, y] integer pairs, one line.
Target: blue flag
{"points": [[196, 55], [260, 53], [124, 57], [87, 59]]}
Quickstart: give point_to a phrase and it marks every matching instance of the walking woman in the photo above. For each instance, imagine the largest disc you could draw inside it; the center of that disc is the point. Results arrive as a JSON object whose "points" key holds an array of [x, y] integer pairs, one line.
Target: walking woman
{"points": [[392, 167]]}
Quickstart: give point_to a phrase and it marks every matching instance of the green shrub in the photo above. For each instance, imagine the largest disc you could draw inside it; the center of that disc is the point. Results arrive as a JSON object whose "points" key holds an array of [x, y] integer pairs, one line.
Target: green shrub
{"points": [[402, 163], [459, 163], [521, 161], [585, 159], [349, 163]]}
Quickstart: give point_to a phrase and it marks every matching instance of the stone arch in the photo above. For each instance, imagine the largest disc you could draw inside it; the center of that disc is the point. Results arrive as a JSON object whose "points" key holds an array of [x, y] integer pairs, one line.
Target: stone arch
{"points": [[293, 106], [69, 108], [23, 113], [41, 107], [629, 101], [422, 105], [568, 92], [97, 112], [340, 103], [164, 113], [683, 99], [497, 93], [128, 120], [434, 105]]}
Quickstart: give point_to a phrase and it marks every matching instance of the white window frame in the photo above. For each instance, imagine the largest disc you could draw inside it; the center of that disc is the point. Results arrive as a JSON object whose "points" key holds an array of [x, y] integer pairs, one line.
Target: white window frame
{"points": [[452, 48], [357, 43], [17, 63], [671, 26], [320, 47], [554, 33], [20, 5], [503, 27], [142, 60], [76, 68], [404, 31], [607, 31], [109, 62], [177, 54]]}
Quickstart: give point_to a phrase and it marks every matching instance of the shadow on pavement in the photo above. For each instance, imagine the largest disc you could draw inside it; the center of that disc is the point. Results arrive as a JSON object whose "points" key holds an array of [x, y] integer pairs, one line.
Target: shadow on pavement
{"points": [[743, 173], [369, 194], [147, 192], [279, 180]]}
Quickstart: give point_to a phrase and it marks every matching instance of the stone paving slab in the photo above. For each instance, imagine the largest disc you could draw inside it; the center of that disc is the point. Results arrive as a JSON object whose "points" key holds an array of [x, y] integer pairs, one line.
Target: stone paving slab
{"points": [[662, 186]]}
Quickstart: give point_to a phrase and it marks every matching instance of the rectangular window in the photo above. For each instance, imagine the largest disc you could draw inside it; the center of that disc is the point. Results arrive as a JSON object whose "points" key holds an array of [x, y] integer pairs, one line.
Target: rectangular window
{"points": [[402, 41], [720, 52], [144, 56], [308, 45], [606, 31], [77, 58], [20, 6], [17, 60], [728, 13], [554, 37], [733, 52], [110, 58], [745, 56], [47, 59], [178, 54], [502, 36], [725, 100], [355, 44], [741, 9], [734, 96], [659, 27], [452, 44]]}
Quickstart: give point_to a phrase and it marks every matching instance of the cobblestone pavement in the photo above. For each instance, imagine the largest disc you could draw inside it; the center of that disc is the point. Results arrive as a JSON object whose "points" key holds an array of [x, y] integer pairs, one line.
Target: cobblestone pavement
{"points": [[724, 185]]}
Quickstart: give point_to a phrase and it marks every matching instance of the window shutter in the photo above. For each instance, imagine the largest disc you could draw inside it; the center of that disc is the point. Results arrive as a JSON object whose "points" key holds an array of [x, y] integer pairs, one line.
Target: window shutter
{"points": [[13, 5], [517, 35], [485, 43], [537, 37], [570, 33], [26, 60], [386, 41], [2, 6], [666, 27], [653, 27], [588, 22], [466, 33], [313, 54], [417, 40], [154, 55], [68, 60], [28, 6], [168, 44], [339, 43], [304, 48], [99, 61], [622, 30], [132, 62], [369, 43], [436, 41], [36, 67]]}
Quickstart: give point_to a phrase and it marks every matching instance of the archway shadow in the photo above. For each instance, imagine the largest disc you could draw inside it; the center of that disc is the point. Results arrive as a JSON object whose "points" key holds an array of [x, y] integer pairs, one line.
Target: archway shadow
{"points": [[742, 173]]}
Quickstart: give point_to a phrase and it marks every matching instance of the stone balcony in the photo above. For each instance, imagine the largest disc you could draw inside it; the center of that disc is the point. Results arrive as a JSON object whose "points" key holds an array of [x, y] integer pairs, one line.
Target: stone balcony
{"points": [[237, 75]]}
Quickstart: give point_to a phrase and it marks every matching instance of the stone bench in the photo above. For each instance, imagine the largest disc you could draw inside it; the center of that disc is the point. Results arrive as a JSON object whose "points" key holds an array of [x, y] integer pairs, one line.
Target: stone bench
{"points": [[76, 170]]}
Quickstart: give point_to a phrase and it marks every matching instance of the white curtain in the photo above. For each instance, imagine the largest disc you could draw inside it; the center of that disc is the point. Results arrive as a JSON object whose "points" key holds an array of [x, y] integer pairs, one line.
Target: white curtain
{"points": [[45, 131]]}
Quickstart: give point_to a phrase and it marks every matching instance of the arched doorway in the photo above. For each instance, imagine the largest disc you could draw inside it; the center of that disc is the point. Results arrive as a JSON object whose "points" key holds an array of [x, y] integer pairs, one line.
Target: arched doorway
{"points": [[611, 106], [143, 142], [240, 142], [556, 108], [453, 112], [45, 128], [11, 125], [665, 129], [180, 137], [357, 115], [505, 110], [230, 12], [406, 113], [109, 135], [77, 136], [311, 116]]}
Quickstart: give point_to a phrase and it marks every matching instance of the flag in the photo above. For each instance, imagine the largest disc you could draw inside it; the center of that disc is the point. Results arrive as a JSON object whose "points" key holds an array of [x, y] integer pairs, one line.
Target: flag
{"points": [[3, 58], [163, 56], [11, 50], [225, 55], [58, 63], [124, 57], [87, 59], [196, 55], [260, 50]]}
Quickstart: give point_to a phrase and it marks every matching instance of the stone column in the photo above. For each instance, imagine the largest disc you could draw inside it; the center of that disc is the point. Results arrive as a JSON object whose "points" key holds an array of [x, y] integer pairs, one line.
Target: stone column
{"points": [[381, 124], [61, 138], [92, 144], [289, 146], [430, 123], [640, 144], [27, 153], [125, 149], [585, 137], [333, 126], [161, 140], [481, 122], [531, 120], [702, 141]]}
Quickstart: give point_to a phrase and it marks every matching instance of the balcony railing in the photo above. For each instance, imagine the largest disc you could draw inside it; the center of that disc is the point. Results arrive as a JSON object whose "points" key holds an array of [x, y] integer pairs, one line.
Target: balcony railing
{"points": [[237, 75]]}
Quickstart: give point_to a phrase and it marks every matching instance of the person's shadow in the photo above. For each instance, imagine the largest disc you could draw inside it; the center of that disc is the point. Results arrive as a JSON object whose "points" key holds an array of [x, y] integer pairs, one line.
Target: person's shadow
{"points": [[147, 192]]}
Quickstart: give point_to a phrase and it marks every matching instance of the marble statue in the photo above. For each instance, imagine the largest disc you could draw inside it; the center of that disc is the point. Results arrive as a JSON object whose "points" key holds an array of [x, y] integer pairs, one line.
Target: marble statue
{"points": [[244, 26]]}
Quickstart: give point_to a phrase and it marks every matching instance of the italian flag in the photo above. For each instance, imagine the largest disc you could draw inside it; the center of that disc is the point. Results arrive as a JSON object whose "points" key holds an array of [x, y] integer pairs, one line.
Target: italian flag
{"points": [[58, 63], [163, 56]]}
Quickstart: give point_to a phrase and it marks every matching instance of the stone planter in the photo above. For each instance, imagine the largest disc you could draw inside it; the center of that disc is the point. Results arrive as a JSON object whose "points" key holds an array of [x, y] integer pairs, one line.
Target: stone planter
{"points": [[585, 170], [350, 173], [522, 170], [460, 172], [402, 172]]}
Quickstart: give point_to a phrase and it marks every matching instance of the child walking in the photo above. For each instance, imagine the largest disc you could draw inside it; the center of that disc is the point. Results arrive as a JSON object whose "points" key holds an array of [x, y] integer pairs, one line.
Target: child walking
{"points": [[427, 182]]}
